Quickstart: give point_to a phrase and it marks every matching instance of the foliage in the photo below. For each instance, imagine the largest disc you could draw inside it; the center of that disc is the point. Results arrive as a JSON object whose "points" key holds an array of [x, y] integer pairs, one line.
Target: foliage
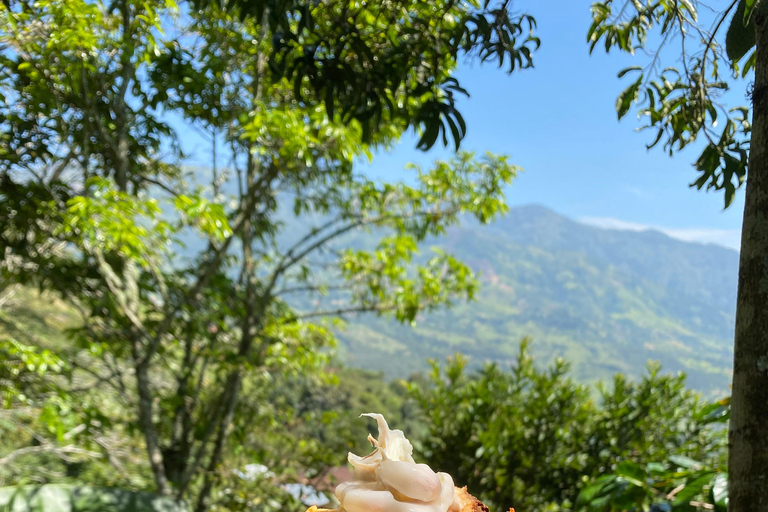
{"points": [[41, 409], [326, 417], [55, 417], [530, 438], [182, 357], [652, 419], [300, 429], [65, 498], [679, 483], [402, 51], [683, 106]]}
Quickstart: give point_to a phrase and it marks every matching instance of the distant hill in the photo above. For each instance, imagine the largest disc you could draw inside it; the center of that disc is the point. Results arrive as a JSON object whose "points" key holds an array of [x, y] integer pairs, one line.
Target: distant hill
{"points": [[607, 301]]}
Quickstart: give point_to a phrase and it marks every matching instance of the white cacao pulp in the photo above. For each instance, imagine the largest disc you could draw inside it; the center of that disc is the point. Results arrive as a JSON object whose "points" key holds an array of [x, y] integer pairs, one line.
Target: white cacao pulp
{"points": [[388, 480]]}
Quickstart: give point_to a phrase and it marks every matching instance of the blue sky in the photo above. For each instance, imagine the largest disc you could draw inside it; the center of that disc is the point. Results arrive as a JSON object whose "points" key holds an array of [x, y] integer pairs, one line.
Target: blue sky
{"points": [[558, 122]]}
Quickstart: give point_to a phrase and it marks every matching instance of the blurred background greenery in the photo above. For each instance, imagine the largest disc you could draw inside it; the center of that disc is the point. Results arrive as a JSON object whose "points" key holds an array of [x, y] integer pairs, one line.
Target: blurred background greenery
{"points": [[525, 434]]}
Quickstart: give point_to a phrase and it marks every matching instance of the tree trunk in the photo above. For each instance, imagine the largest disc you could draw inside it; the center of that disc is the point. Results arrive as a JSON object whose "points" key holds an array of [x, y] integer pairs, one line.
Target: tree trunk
{"points": [[255, 304], [148, 429], [748, 435]]}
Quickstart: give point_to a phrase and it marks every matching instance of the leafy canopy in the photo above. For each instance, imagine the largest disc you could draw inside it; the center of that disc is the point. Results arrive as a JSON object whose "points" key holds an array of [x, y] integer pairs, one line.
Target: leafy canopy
{"points": [[683, 104], [531, 437], [388, 62], [96, 200]]}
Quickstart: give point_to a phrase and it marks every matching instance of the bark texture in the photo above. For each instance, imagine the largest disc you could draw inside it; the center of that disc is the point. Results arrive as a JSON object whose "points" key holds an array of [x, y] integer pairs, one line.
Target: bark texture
{"points": [[748, 435]]}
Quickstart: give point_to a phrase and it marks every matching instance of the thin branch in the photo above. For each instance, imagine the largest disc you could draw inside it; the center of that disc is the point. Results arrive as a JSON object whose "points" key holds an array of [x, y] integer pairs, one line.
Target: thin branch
{"points": [[341, 312], [191, 296], [675, 491], [313, 288], [116, 287], [99, 379], [61, 166], [714, 33], [314, 232], [160, 184], [702, 504], [195, 396], [115, 367], [109, 450], [700, 83], [680, 20], [197, 459], [289, 259]]}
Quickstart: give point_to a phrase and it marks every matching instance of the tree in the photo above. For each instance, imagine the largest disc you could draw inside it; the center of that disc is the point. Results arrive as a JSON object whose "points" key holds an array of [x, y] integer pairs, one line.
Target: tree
{"points": [[665, 480], [683, 107], [496, 430], [96, 197], [393, 48], [530, 437]]}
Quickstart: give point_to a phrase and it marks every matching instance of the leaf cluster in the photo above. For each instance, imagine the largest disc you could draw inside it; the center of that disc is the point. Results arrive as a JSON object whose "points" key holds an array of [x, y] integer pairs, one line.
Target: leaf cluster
{"points": [[387, 62], [682, 104], [530, 437]]}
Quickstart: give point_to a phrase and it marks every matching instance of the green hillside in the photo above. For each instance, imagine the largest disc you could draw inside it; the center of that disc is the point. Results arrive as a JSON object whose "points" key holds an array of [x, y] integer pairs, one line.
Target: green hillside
{"points": [[35, 319], [607, 301]]}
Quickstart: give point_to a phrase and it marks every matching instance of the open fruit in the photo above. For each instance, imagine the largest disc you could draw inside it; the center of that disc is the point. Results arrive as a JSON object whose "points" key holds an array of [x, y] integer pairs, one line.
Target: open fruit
{"points": [[389, 480]]}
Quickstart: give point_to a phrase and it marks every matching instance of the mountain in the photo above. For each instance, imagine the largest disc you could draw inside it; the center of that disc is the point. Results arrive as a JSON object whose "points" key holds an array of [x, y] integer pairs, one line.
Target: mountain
{"points": [[607, 301]]}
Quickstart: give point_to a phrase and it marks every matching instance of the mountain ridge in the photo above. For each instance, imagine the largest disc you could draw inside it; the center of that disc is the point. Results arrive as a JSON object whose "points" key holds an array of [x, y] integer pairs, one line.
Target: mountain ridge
{"points": [[649, 230], [606, 300]]}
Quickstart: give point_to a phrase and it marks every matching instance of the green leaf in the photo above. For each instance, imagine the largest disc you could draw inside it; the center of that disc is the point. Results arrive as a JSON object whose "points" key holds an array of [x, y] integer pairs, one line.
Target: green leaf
{"points": [[594, 490], [629, 69], [749, 6], [684, 462], [717, 412], [740, 37], [729, 194], [749, 64], [719, 492], [691, 490], [632, 472], [656, 468], [627, 96]]}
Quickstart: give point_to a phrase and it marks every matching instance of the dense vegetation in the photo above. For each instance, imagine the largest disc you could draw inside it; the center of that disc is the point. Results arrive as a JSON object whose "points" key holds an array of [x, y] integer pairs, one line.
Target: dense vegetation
{"points": [[174, 369], [692, 53], [175, 375], [524, 435], [533, 438]]}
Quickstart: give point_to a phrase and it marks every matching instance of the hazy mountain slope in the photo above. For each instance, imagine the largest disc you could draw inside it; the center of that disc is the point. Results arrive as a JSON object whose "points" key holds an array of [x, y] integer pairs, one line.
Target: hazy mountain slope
{"points": [[605, 300]]}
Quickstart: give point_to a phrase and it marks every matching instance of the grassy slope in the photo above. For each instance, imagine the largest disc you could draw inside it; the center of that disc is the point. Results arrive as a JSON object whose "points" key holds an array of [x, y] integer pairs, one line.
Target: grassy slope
{"points": [[36, 319]]}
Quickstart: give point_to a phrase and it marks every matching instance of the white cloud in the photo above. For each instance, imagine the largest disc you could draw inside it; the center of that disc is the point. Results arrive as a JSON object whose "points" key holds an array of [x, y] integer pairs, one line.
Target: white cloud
{"points": [[611, 223], [726, 237]]}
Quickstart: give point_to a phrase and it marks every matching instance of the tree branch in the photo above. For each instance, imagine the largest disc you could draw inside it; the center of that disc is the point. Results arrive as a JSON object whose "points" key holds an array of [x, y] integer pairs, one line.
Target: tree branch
{"points": [[341, 312], [313, 288]]}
